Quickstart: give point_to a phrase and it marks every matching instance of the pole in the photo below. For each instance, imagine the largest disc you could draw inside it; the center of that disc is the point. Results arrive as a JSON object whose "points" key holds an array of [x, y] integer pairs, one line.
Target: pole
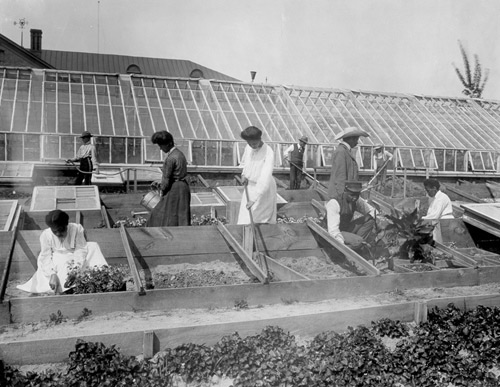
{"points": [[252, 224]]}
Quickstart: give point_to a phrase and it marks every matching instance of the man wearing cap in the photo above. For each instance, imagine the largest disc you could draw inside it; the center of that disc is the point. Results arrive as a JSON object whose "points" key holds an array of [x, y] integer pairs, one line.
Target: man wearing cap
{"points": [[340, 216], [295, 155], [381, 158], [87, 156], [344, 165]]}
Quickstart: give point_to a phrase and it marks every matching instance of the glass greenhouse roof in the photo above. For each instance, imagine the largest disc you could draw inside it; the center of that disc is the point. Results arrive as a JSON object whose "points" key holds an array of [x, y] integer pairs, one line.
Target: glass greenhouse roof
{"points": [[123, 111]]}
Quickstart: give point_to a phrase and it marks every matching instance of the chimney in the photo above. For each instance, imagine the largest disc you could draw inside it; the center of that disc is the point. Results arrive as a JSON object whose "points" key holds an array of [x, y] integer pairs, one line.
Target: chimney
{"points": [[36, 40]]}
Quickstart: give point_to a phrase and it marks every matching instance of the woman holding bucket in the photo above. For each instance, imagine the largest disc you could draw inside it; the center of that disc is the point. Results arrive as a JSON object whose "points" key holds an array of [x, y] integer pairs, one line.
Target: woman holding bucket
{"points": [[257, 177], [174, 207]]}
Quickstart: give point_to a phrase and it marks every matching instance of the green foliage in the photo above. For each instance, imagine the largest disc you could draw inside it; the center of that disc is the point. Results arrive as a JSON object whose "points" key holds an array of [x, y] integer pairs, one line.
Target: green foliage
{"points": [[452, 348], [390, 328], [56, 318], [473, 84], [302, 219], [415, 233], [241, 304], [97, 279], [138, 221], [206, 220], [86, 313], [94, 364]]}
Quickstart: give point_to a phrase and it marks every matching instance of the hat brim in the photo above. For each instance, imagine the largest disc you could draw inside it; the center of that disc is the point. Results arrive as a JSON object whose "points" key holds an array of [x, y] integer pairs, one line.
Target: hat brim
{"points": [[353, 133]]}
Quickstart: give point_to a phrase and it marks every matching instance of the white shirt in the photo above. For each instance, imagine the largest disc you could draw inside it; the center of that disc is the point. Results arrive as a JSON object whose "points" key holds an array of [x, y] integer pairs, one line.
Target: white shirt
{"points": [[439, 207]]}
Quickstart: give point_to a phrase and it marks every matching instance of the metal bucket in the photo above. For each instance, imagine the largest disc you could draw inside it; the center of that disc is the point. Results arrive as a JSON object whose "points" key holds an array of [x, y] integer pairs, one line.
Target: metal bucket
{"points": [[150, 200]]}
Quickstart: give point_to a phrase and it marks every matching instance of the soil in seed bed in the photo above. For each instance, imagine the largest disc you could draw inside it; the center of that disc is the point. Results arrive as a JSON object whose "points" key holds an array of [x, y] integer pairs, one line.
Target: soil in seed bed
{"points": [[186, 275], [315, 267]]}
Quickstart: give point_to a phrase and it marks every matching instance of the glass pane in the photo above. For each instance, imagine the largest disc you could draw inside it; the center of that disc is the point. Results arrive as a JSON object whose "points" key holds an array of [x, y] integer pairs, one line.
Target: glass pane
{"points": [[118, 150], [15, 147], [102, 147], [67, 147], [51, 147], [31, 147], [405, 159], [134, 151]]}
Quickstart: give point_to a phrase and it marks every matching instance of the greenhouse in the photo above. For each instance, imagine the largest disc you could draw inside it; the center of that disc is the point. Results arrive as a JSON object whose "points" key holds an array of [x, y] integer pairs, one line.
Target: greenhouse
{"points": [[43, 112]]}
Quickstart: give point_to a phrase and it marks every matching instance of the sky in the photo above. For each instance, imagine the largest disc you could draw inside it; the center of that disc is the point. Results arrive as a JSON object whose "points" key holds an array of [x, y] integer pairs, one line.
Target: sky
{"points": [[394, 46]]}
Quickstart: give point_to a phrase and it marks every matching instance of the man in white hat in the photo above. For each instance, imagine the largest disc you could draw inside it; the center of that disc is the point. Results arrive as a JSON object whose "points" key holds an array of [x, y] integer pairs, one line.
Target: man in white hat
{"points": [[344, 165], [340, 217], [295, 155]]}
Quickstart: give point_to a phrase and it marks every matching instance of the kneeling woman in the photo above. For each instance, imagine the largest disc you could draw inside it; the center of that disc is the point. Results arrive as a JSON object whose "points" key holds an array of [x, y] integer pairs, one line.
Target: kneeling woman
{"points": [[63, 244]]}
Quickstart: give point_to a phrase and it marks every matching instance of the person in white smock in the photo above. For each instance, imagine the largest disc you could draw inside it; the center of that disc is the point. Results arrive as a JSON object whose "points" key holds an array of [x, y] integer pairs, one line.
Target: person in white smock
{"points": [[439, 207], [62, 244], [257, 175]]}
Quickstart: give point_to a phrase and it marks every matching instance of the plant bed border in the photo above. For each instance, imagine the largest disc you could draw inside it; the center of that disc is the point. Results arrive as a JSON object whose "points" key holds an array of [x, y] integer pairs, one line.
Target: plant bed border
{"points": [[148, 342]]}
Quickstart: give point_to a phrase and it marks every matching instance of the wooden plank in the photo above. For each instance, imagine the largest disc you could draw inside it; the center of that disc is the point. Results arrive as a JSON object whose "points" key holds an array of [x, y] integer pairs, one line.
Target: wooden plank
{"points": [[466, 303], [461, 258], [11, 206], [284, 273], [319, 207], [462, 193], [247, 259], [203, 181], [5, 313], [482, 224], [29, 309], [6, 266], [132, 343], [279, 183], [105, 216], [350, 255], [131, 261], [282, 236]]}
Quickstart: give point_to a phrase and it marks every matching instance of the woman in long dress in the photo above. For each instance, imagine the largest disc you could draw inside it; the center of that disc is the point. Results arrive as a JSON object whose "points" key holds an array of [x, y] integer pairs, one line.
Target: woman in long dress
{"points": [[257, 175], [174, 207], [62, 244]]}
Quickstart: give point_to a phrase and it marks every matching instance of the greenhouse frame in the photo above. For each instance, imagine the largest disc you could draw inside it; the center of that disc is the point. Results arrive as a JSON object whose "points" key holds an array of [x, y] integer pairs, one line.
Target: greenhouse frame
{"points": [[43, 112]]}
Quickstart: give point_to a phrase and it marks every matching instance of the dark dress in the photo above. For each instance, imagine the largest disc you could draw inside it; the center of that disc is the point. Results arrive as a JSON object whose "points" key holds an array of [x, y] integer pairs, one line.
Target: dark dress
{"points": [[174, 207]]}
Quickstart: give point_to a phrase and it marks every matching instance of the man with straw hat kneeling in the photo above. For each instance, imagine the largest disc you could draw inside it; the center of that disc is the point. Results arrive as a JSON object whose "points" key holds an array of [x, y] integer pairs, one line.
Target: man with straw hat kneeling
{"points": [[342, 225]]}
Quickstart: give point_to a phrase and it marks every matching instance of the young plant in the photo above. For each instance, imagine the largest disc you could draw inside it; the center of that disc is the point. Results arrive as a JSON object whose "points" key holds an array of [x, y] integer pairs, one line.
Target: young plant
{"points": [[409, 236], [97, 279]]}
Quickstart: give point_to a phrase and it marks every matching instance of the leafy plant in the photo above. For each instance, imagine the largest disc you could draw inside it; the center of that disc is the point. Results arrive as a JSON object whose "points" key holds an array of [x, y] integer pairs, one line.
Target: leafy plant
{"points": [[409, 236], [56, 318], [86, 313], [96, 279], [390, 328], [205, 220], [138, 221]]}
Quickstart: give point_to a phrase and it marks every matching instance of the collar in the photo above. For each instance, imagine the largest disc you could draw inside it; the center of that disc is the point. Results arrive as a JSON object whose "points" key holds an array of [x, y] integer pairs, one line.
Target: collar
{"points": [[170, 151], [345, 144]]}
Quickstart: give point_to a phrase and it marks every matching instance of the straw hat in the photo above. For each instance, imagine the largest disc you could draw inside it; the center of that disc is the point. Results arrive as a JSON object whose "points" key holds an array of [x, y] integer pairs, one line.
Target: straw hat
{"points": [[86, 134], [351, 131]]}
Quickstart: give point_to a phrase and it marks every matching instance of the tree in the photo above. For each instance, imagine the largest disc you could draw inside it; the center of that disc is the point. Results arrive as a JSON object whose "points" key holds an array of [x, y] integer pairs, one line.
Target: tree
{"points": [[474, 86]]}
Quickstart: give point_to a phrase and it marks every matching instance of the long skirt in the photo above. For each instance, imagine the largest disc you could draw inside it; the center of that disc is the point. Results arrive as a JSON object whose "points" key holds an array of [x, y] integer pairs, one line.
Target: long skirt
{"points": [[263, 210], [39, 283], [174, 208]]}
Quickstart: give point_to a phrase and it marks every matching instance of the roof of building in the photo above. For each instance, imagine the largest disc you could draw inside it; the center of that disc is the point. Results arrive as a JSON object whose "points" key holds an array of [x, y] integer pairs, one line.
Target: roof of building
{"points": [[123, 64], [31, 58]]}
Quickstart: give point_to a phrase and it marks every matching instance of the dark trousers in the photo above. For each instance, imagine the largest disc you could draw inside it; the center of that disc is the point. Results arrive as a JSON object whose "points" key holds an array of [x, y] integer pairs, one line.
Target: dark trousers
{"points": [[295, 176], [85, 166], [362, 227]]}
